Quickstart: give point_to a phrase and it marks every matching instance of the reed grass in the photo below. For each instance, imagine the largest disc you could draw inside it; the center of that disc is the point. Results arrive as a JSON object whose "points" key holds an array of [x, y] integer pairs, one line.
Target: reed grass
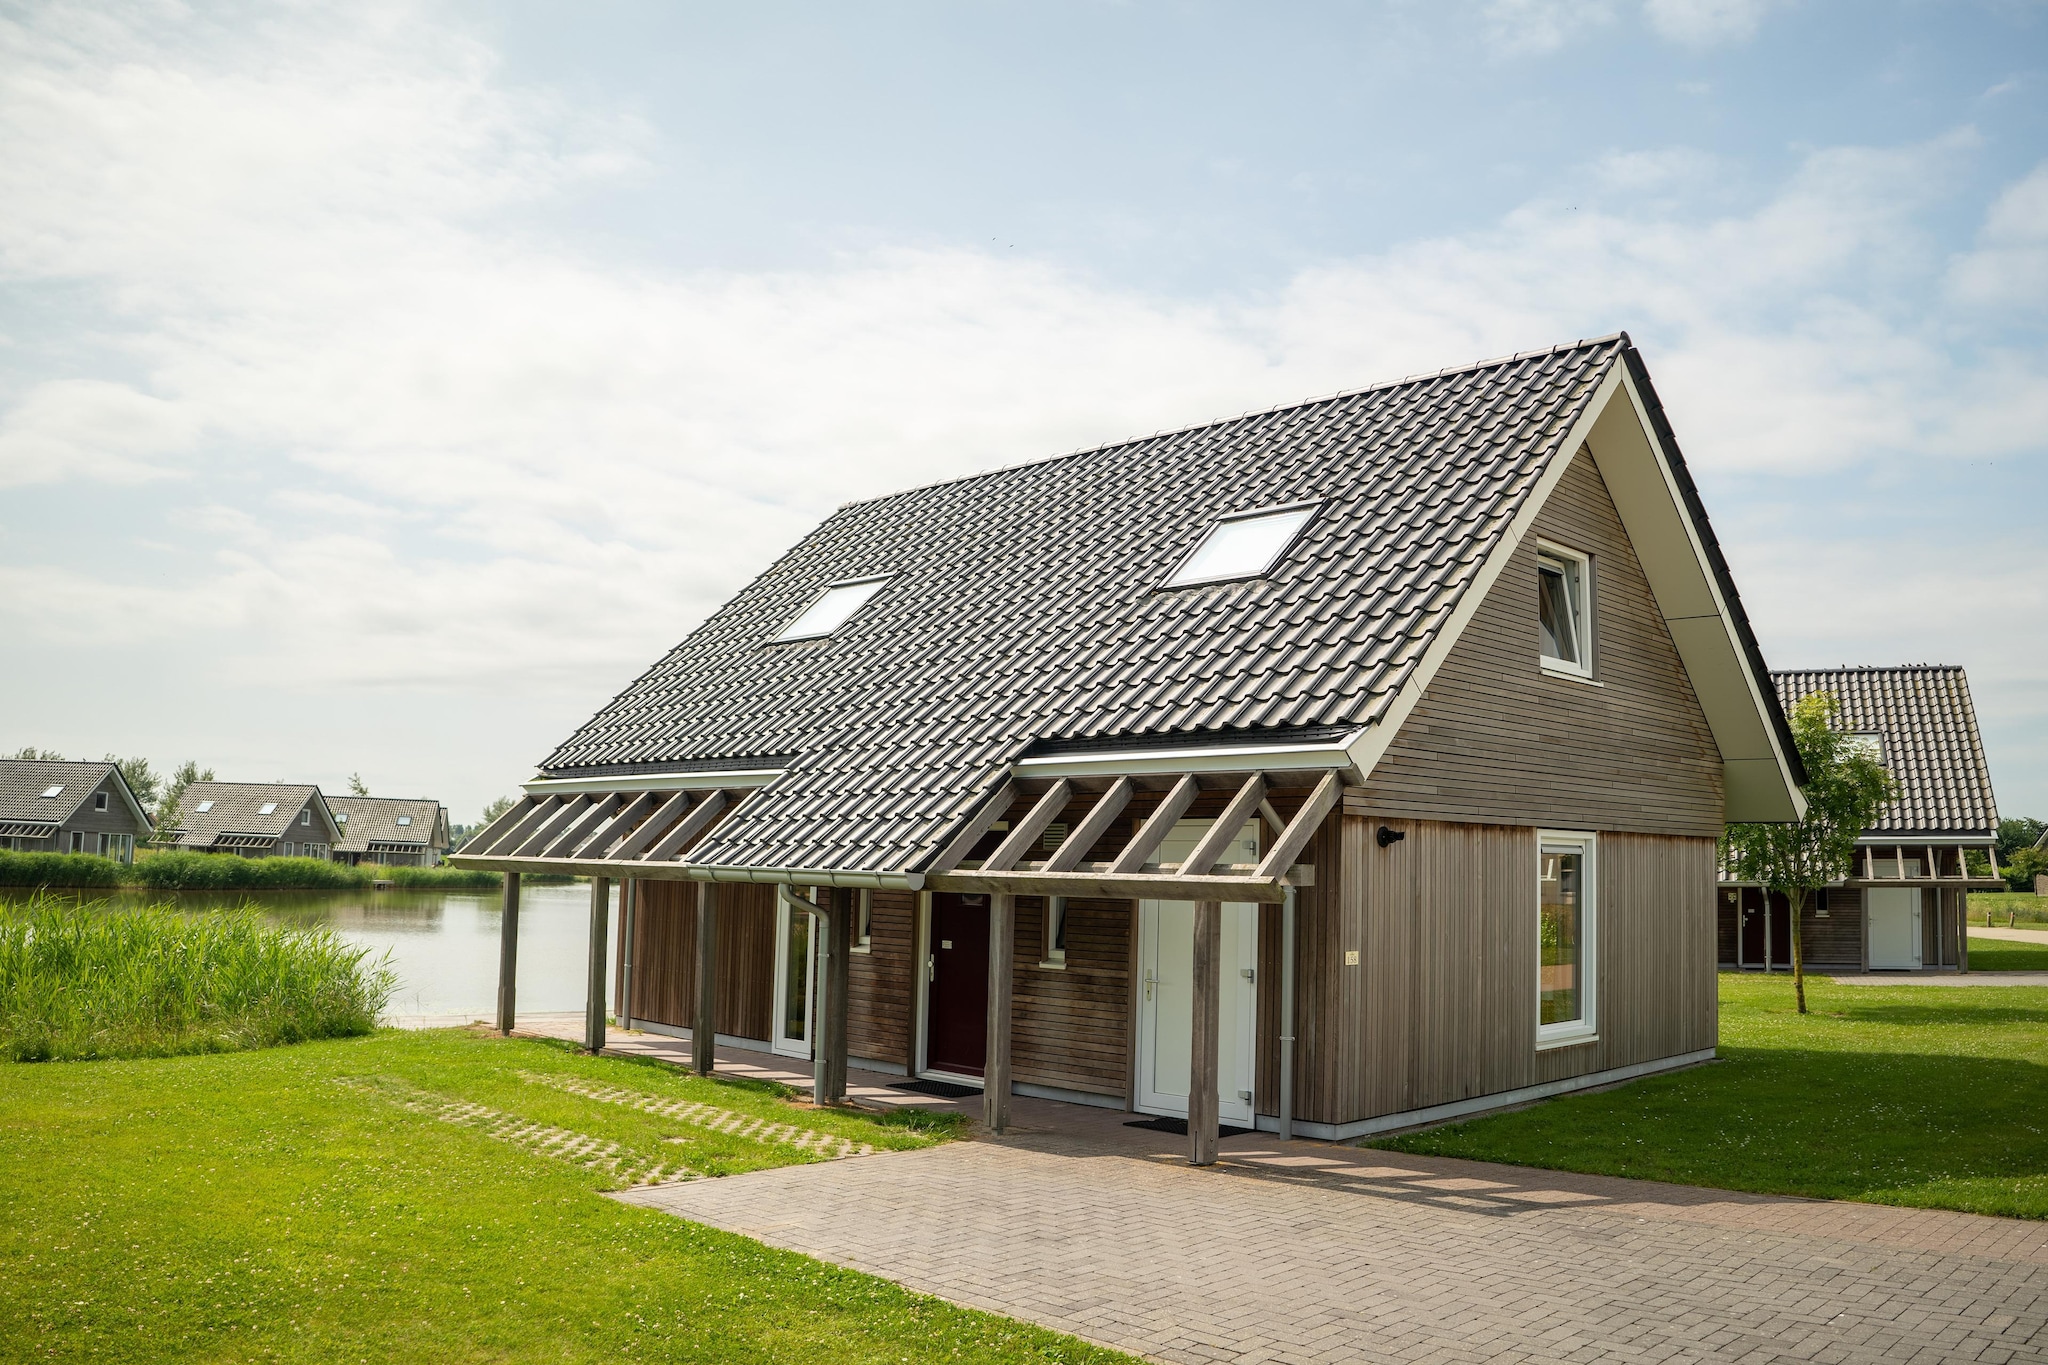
{"points": [[180, 870], [59, 869], [442, 878], [83, 981]]}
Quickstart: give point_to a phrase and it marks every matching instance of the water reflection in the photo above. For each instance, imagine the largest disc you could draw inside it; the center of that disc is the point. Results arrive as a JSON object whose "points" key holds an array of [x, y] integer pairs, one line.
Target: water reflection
{"points": [[442, 944]]}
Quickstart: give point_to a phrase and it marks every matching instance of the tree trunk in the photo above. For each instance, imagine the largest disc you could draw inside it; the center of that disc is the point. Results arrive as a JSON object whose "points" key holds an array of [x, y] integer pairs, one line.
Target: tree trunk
{"points": [[1797, 900]]}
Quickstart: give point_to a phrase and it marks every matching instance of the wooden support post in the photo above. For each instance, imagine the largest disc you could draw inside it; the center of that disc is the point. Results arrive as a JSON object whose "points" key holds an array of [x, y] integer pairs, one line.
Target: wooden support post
{"points": [[704, 1024], [508, 955], [834, 969], [629, 892], [1287, 1017], [600, 921], [995, 1070], [1202, 1062]]}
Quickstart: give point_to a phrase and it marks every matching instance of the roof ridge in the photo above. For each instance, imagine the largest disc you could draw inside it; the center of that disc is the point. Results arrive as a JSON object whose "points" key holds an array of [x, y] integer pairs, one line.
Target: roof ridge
{"points": [[1315, 400], [1872, 668]]}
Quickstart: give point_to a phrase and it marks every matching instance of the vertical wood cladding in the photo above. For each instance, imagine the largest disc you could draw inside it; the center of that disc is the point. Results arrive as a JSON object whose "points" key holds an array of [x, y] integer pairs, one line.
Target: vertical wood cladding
{"points": [[665, 956], [880, 981], [1495, 739], [1441, 1006], [1071, 1027]]}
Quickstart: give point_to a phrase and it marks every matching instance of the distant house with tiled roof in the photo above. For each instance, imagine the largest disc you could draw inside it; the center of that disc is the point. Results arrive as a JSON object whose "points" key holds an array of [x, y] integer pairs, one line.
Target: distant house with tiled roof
{"points": [[56, 806], [1335, 768], [256, 820], [1903, 907], [391, 831]]}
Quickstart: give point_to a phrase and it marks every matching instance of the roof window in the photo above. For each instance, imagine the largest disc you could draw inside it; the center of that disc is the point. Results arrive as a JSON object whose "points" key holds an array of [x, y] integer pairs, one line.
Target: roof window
{"points": [[831, 609], [267, 808], [57, 790], [405, 819], [1246, 545], [205, 806], [341, 817]]}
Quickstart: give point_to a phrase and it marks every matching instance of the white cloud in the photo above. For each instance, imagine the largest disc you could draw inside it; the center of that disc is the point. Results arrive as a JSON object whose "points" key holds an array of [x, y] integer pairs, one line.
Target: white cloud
{"points": [[2008, 270], [1705, 23], [90, 428], [1534, 28]]}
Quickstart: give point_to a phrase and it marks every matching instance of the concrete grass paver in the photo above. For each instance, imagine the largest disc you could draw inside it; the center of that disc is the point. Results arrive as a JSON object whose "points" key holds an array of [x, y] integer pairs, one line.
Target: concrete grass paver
{"points": [[1303, 1252]]}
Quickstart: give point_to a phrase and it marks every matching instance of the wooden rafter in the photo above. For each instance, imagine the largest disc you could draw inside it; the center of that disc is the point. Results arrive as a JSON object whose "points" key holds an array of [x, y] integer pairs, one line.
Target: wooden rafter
{"points": [[572, 838], [994, 809], [1157, 826], [551, 827], [487, 837], [1294, 836], [668, 813], [609, 832], [1093, 826], [1026, 831], [689, 827], [537, 810], [1209, 851]]}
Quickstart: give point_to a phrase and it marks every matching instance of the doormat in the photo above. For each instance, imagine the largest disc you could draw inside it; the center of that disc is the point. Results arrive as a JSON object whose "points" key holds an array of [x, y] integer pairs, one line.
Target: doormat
{"points": [[1179, 1127], [945, 1090]]}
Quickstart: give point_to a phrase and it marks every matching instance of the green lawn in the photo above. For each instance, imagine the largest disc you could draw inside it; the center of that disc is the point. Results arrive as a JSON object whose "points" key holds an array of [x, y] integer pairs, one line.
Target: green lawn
{"points": [[1929, 1096], [2004, 955], [370, 1199]]}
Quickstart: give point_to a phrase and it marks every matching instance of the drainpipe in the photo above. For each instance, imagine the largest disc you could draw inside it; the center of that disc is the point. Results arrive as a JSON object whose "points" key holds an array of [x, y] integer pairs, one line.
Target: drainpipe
{"points": [[1287, 1015]]}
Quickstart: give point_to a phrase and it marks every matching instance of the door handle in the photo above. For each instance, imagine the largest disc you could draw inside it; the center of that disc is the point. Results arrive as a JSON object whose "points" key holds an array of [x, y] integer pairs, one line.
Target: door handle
{"points": [[931, 968], [1151, 980]]}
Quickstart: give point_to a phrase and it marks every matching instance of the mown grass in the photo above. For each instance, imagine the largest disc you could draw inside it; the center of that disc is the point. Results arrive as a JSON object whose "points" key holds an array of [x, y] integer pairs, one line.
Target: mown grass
{"points": [[268, 1206], [1928, 1096], [2004, 955], [82, 981]]}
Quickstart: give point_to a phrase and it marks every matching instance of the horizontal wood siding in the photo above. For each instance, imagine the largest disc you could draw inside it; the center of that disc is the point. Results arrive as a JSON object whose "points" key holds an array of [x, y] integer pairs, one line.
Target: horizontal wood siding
{"points": [[665, 956], [879, 982], [1445, 993], [1071, 1028], [1836, 938], [1495, 739]]}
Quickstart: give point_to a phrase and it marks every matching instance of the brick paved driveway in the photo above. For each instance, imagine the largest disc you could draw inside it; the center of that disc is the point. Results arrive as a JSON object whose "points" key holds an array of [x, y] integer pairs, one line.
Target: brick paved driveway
{"points": [[1316, 1253]]}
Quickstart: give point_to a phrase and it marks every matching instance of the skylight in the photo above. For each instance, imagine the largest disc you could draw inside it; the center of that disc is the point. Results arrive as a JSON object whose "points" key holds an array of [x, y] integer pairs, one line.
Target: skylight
{"points": [[341, 816], [54, 791], [405, 819], [267, 808], [1244, 546], [830, 610], [205, 806]]}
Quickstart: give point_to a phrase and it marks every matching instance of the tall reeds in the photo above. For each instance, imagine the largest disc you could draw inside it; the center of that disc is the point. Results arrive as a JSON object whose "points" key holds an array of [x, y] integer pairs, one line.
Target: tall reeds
{"points": [[85, 981]]}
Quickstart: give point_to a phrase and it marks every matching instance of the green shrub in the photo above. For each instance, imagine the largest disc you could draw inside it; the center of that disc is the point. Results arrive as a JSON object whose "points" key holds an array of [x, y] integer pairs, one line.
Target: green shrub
{"points": [[182, 870], [84, 981], [59, 869], [2022, 867], [440, 878]]}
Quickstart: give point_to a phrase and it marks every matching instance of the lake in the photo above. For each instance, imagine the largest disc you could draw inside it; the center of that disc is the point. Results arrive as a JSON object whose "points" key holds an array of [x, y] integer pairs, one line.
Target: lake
{"points": [[442, 944]]}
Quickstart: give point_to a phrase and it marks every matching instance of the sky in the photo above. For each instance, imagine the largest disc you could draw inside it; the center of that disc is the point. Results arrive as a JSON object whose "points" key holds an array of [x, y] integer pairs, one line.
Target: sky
{"points": [[384, 386]]}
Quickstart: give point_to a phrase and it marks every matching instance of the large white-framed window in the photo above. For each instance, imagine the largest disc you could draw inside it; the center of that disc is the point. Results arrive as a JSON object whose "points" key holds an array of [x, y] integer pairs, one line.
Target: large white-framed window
{"points": [[1564, 609], [1567, 938], [1242, 545]]}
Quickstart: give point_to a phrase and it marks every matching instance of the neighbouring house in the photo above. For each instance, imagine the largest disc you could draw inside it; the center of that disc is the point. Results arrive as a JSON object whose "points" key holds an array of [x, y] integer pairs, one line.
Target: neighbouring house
{"points": [[1330, 769], [255, 820], [1904, 904], [55, 806], [390, 831]]}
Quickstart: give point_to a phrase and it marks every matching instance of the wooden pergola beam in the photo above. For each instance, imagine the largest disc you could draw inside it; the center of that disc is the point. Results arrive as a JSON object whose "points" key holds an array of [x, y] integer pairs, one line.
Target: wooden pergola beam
{"points": [[537, 810], [985, 816], [1157, 826], [627, 817], [487, 838], [551, 826], [1302, 828], [572, 838], [689, 827], [1163, 886], [651, 829], [1026, 831], [1209, 851], [1093, 826]]}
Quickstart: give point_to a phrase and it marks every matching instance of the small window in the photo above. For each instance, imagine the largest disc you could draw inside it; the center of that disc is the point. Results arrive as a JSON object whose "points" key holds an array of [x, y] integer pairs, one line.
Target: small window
{"points": [[1055, 932], [405, 819], [306, 817], [99, 800], [1566, 937], [1869, 742], [341, 817], [267, 808], [863, 922], [57, 790], [1561, 577], [1242, 546], [205, 806], [831, 609]]}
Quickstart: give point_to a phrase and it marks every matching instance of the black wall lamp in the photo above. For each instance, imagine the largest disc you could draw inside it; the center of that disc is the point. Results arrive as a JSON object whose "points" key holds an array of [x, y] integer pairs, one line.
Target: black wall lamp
{"points": [[1391, 836]]}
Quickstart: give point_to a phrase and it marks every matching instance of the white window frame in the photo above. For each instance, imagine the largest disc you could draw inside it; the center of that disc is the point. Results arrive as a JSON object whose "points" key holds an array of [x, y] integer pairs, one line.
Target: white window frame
{"points": [[1585, 1028], [99, 800], [1055, 958], [306, 816], [873, 582], [1583, 620], [863, 922], [1179, 579]]}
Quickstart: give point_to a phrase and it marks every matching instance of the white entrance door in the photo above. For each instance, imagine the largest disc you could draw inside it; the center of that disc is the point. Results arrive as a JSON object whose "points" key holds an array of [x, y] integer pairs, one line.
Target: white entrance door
{"points": [[792, 1022], [1166, 960], [1894, 913]]}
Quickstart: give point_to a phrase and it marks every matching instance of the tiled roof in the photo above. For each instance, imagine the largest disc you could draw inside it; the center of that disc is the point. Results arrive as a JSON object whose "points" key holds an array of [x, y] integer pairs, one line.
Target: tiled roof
{"points": [[376, 818], [1025, 605], [24, 780], [1930, 741], [235, 807]]}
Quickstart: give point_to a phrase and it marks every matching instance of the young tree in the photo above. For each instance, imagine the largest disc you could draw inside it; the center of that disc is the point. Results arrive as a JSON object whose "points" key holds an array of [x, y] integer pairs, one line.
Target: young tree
{"points": [[141, 778], [47, 755], [491, 812], [1846, 788], [355, 785], [171, 812]]}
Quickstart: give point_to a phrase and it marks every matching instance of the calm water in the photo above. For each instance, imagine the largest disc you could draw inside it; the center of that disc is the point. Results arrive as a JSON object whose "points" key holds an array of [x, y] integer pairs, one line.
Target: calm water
{"points": [[443, 945]]}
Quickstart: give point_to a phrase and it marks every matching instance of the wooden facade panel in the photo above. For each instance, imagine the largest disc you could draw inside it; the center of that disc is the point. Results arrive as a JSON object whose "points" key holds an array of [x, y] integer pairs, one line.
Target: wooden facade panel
{"points": [[1446, 922], [1071, 1027], [665, 956], [1496, 740], [880, 981]]}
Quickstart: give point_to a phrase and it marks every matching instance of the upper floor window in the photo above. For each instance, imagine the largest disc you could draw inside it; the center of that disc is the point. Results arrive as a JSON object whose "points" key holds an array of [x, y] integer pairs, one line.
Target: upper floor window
{"points": [[1246, 545], [1563, 610], [99, 800], [831, 609], [305, 817]]}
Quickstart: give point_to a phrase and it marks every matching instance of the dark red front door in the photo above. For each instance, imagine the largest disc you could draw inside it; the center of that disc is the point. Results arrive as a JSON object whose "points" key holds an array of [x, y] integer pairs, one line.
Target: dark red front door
{"points": [[956, 1013], [1752, 927], [1781, 931]]}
